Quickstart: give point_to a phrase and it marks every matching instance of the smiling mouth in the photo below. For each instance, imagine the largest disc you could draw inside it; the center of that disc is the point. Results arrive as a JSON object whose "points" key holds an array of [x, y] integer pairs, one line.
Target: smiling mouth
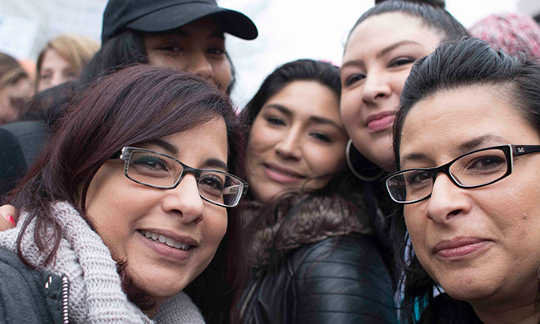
{"points": [[166, 240], [281, 175]]}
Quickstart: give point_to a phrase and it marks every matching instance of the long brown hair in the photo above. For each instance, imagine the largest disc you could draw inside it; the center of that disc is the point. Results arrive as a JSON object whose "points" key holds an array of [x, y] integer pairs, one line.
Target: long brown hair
{"points": [[131, 106]]}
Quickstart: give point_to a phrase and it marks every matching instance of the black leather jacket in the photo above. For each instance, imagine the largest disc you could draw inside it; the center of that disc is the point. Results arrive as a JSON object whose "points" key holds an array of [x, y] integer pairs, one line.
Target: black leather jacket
{"points": [[338, 280]]}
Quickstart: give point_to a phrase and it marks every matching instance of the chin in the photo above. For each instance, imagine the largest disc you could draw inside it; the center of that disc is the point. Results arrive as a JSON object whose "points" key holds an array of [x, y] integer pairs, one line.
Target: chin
{"points": [[468, 288]]}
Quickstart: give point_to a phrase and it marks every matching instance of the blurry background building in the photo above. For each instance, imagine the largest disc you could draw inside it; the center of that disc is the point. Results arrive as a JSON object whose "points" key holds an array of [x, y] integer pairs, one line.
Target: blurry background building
{"points": [[289, 29]]}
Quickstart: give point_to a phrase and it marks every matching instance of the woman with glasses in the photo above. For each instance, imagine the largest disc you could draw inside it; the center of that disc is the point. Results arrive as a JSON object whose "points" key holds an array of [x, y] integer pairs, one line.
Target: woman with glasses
{"points": [[127, 206], [467, 139]]}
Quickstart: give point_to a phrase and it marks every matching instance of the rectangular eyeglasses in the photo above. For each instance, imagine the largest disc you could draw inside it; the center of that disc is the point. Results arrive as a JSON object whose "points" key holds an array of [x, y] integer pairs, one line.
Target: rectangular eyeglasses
{"points": [[471, 170], [162, 171]]}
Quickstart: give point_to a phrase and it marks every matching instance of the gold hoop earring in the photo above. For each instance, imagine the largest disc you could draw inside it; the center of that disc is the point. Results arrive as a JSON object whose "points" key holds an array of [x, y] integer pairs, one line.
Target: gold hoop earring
{"points": [[373, 171]]}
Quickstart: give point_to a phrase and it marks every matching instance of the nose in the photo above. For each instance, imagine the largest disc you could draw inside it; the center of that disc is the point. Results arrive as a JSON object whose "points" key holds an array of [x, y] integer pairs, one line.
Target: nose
{"points": [[288, 147], [200, 65], [376, 87], [185, 200], [447, 200]]}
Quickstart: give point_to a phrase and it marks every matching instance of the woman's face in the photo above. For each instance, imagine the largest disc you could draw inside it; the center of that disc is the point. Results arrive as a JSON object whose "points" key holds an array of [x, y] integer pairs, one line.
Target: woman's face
{"points": [[54, 70], [296, 141], [13, 98], [198, 47], [123, 212], [377, 60], [480, 245]]}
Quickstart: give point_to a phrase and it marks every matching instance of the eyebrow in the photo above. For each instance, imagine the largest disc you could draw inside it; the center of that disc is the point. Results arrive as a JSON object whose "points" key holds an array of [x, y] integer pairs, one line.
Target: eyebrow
{"points": [[164, 145], [209, 163], [383, 52], [480, 141], [463, 148], [215, 163], [314, 119]]}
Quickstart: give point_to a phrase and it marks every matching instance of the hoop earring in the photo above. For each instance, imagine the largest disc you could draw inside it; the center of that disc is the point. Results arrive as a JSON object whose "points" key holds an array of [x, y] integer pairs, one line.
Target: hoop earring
{"points": [[371, 171]]}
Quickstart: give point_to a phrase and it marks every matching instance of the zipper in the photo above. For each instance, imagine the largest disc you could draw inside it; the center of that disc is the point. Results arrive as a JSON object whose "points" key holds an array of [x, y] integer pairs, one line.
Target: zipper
{"points": [[65, 299]]}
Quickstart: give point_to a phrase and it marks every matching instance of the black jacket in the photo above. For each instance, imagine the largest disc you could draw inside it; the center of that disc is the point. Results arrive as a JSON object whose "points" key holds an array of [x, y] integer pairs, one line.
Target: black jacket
{"points": [[28, 296], [341, 279]]}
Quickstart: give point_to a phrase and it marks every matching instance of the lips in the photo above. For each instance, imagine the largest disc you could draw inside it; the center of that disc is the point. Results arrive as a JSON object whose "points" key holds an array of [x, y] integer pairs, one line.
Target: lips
{"points": [[381, 121], [281, 174], [170, 239], [459, 247]]}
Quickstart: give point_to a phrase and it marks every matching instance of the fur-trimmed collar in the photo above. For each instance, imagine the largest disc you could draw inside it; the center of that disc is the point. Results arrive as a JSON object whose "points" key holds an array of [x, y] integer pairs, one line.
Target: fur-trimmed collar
{"points": [[311, 219]]}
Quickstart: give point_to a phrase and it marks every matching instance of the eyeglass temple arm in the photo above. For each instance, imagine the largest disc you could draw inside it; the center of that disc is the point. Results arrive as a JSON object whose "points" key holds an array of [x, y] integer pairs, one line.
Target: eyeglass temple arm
{"points": [[525, 149]]}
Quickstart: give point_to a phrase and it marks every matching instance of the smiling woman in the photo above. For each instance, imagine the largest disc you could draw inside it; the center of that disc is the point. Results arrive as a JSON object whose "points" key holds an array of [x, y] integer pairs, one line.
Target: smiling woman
{"points": [[124, 185], [311, 255], [468, 180]]}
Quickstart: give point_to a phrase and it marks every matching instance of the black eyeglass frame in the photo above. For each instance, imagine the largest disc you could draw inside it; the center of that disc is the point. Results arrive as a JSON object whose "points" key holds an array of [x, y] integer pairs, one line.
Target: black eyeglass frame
{"points": [[510, 150], [126, 153]]}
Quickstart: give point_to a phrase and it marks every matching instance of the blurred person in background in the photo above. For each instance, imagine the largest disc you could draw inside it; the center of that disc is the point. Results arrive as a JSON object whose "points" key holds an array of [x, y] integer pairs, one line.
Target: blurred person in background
{"points": [[515, 34], [15, 88], [63, 59]]}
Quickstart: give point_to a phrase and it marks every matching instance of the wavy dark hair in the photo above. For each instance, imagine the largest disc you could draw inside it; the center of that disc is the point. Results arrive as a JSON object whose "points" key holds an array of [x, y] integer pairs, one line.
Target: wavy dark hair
{"points": [[132, 106], [343, 186], [456, 64]]}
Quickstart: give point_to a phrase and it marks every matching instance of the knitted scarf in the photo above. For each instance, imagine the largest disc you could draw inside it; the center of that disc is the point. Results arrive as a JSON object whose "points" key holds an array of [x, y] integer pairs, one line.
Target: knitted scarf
{"points": [[96, 294]]}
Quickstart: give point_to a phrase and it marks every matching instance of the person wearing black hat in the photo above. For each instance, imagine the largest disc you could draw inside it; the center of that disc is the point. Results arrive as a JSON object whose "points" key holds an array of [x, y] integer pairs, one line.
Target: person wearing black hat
{"points": [[181, 34]]}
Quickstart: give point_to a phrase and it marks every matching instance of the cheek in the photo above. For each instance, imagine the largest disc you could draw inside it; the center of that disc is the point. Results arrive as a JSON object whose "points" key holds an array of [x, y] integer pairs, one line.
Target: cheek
{"points": [[350, 105], [325, 160], [223, 73], [416, 224], [216, 227]]}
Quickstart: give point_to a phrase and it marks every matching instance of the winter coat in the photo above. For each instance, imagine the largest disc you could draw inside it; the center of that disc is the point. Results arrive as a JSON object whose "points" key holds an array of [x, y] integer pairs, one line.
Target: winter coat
{"points": [[29, 296], [330, 270]]}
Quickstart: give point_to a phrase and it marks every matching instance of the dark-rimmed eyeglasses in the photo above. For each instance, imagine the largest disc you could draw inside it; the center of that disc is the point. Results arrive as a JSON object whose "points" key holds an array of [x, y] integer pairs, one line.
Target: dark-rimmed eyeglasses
{"points": [[471, 170], [162, 171]]}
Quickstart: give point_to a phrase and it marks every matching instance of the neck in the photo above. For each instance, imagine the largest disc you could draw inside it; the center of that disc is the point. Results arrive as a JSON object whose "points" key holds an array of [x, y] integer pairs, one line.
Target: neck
{"points": [[517, 314]]}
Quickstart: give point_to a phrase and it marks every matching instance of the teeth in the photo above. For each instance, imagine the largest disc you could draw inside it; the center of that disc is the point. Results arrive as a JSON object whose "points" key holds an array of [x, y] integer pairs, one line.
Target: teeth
{"points": [[165, 240]]}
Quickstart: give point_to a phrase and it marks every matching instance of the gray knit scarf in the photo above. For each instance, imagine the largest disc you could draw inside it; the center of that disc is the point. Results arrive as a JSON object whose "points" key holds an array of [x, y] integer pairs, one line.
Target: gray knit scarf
{"points": [[96, 294]]}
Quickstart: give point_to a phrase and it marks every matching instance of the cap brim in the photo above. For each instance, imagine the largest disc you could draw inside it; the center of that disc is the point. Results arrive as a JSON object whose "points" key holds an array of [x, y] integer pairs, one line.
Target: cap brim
{"points": [[232, 22]]}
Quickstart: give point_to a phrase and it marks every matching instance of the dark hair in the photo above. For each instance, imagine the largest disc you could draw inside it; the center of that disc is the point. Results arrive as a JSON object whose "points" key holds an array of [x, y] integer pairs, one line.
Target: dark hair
{"points": [[300, 70], [342, 188], [433, 17], [131, 106], [124, 49], [435, 3], [457, 64]]}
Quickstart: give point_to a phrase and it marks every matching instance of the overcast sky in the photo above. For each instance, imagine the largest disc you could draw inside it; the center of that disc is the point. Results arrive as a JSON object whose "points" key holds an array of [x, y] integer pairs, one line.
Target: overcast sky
{"points": [[292, 29]]}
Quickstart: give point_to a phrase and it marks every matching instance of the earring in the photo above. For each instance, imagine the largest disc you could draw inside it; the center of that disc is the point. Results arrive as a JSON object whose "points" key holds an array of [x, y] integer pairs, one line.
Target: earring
{"points": [[369, 171]]}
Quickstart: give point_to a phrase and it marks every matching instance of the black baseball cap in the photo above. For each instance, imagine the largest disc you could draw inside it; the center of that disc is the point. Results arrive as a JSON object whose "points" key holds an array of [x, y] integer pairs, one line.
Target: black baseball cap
{"points": [[163, 15]]}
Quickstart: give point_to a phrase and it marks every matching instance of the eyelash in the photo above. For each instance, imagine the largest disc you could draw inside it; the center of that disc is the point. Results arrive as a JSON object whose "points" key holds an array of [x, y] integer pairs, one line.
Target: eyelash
{"points": [[321, 137], [401, 61], [274, 121], [354, 78]]}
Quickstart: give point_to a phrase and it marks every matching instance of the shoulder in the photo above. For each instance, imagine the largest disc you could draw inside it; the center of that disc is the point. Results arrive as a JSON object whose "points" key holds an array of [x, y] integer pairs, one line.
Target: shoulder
{"points": [[346, 277], [355, 249], [29, 303]]}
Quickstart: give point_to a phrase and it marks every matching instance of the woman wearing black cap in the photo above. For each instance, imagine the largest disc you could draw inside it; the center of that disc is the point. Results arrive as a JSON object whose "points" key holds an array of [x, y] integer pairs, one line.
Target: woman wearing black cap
{"points": [[185, 35]]}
